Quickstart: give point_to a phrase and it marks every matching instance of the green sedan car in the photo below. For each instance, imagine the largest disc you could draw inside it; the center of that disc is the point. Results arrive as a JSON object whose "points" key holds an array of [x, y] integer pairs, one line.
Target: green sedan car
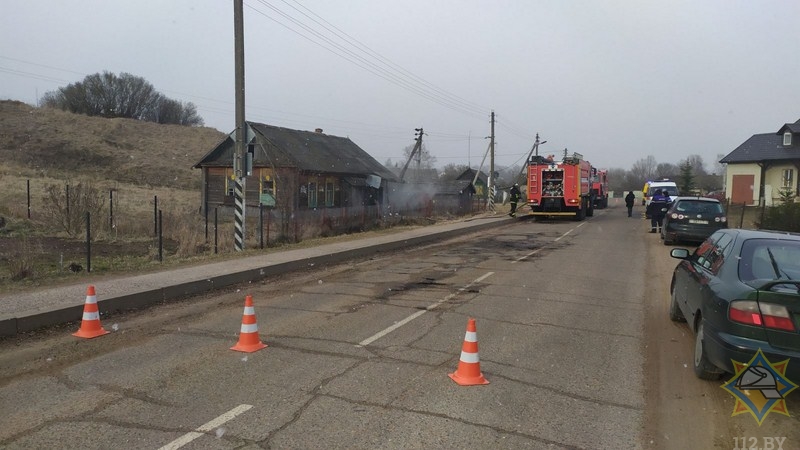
{"points": [[739, 291]]}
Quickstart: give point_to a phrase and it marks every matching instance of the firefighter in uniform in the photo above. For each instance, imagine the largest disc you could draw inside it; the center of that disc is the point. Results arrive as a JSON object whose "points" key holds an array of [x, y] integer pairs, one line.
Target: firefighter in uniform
{"points": [[513, 197]]}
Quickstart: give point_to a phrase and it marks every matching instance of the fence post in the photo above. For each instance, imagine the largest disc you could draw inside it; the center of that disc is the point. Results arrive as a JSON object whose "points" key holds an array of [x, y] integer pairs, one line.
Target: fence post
{"points": [[29, 198], [741, 217], [261, 225], [69, 217], [295, 214], [88, 242], [160, 239], [155, 215], [215, 229], [111, 209]]}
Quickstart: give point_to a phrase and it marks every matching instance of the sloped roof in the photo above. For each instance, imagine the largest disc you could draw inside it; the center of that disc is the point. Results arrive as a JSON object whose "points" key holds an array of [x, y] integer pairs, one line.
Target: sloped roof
{"points": [[469, 175], [304, 150], [454, 187], [764, 147], [794, 128]]}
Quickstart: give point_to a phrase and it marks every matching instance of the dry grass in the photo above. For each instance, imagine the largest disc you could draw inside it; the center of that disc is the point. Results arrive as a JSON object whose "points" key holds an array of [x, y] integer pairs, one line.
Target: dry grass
{"points": [[130, 163], [136, 161]]}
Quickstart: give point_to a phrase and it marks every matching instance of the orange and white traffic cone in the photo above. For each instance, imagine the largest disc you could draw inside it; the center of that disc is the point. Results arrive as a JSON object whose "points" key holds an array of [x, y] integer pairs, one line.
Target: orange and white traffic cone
{"points": [[90, 325], [248, 336], [469, 366]]}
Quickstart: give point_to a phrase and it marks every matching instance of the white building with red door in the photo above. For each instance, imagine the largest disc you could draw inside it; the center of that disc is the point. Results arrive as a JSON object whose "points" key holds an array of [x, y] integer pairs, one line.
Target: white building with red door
{"points": [[763, 166]]}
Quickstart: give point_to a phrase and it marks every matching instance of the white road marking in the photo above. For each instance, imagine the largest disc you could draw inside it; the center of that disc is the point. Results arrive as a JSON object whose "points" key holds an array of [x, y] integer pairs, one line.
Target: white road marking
{"points": [[399, 324], [526, 256], [521, 258], [189, 437]]}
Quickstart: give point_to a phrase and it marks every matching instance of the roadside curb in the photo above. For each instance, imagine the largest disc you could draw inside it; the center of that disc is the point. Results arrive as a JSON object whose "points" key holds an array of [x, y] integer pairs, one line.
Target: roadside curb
{"points": [[159, 293]]}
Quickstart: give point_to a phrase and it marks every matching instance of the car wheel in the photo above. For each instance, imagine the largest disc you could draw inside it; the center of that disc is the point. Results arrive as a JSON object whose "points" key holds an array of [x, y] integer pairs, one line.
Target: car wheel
{"points": [[667, 240], [702, 367], [675, 313]]}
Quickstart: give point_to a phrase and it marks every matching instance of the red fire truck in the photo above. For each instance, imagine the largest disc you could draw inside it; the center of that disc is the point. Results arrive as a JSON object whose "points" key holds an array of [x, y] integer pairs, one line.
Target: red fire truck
{"points": [[600, 188], [560, 188]]}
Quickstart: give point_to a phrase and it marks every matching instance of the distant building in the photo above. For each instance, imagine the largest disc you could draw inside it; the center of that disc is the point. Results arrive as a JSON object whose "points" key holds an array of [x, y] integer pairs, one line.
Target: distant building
{"points": [[763, 166], [294, 170], [479, 186]]}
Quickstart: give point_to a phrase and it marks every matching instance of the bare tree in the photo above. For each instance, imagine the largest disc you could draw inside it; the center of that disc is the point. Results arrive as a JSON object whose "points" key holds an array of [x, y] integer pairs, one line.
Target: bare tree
{"points": [[126, 95], [696, 163], [667, 170], [422, 165], [620, 180], [717, 168], [452, 171], [644, 169]]}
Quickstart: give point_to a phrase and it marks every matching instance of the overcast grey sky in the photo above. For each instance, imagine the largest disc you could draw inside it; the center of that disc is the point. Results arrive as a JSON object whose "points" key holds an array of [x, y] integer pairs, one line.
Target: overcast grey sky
{"points": [[614, 80]]}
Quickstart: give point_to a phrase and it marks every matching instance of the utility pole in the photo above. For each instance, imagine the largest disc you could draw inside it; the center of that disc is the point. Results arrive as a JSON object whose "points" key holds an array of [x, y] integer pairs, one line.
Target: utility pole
{"points": [[491, 169], [239, 148], [535, 149], [417, 148]]}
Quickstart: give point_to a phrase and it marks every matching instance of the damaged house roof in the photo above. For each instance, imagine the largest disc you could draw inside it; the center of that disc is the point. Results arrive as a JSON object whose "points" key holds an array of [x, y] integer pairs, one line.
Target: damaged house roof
{"points": [[310, 151]]}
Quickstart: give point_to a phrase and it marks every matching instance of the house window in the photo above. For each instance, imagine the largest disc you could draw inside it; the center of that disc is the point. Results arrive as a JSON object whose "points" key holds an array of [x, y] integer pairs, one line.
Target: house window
{"points": [[230, 186], [788, 178], [329, 193], [312, 194], [267, 188], [787, 138]]}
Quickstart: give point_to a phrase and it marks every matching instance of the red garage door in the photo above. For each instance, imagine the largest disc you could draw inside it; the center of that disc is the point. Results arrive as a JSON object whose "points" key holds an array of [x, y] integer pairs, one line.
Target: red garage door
{"points": [[742, 189]]}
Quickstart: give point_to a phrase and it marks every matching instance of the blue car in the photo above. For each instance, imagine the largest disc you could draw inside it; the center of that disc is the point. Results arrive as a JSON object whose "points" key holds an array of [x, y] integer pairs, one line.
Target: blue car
{"points": [[739, 291]]}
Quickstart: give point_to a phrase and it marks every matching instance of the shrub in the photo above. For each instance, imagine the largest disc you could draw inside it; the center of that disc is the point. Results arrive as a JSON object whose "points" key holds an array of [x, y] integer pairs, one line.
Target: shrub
{"points": [[66, 208], [20, 262], [784, 217]]}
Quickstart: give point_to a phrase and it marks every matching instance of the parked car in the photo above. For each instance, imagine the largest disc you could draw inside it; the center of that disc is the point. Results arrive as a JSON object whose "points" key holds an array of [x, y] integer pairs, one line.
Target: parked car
{"points": [[719, 195], [739, 291], [692, 219]]}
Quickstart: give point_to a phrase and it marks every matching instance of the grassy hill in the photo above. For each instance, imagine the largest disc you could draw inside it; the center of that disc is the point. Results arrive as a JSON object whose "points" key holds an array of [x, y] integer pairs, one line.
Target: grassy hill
{"points": [[44, 142], [42, 148]]}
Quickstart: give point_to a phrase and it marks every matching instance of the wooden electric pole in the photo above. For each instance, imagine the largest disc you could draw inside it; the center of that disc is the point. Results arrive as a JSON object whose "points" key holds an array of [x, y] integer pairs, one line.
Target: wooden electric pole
{"points": [[417, 148], [239, 148], [492, 181]]}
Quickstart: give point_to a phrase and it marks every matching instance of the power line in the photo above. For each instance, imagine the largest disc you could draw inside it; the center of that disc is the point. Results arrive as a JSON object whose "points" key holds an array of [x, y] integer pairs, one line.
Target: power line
{"points": [[366, 64], [356, 43]]}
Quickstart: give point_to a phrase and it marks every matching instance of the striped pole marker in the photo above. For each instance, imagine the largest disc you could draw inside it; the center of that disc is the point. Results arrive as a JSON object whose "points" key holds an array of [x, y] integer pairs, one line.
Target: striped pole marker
{"points": [[238, 194], [492, 193], [248, 336], [90, 324], [469, 366]]}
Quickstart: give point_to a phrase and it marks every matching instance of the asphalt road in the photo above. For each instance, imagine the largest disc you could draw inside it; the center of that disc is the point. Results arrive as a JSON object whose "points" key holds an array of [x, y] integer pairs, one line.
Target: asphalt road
{"points": [[569, 326]]}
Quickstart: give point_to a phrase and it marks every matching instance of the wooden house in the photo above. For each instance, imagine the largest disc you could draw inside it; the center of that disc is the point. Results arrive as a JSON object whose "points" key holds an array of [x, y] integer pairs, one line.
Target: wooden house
{"points": [[294, 171], [479, 185]]}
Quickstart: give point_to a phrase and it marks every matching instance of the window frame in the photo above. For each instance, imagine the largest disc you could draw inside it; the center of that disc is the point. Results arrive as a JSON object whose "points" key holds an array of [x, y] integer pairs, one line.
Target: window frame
{"points": [[787, 177], [330, 190], [312, 193], [787, 138]]}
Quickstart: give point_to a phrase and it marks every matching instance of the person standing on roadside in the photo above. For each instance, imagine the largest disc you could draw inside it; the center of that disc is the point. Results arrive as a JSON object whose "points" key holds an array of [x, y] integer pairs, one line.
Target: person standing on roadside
{"points": [[513, 197], [629, 199], [656, 210]]}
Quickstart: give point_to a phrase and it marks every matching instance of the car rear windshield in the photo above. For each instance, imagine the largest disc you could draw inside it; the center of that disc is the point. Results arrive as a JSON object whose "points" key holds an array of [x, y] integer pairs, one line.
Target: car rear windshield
{"points": [[770, 259], [698, 207]]}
